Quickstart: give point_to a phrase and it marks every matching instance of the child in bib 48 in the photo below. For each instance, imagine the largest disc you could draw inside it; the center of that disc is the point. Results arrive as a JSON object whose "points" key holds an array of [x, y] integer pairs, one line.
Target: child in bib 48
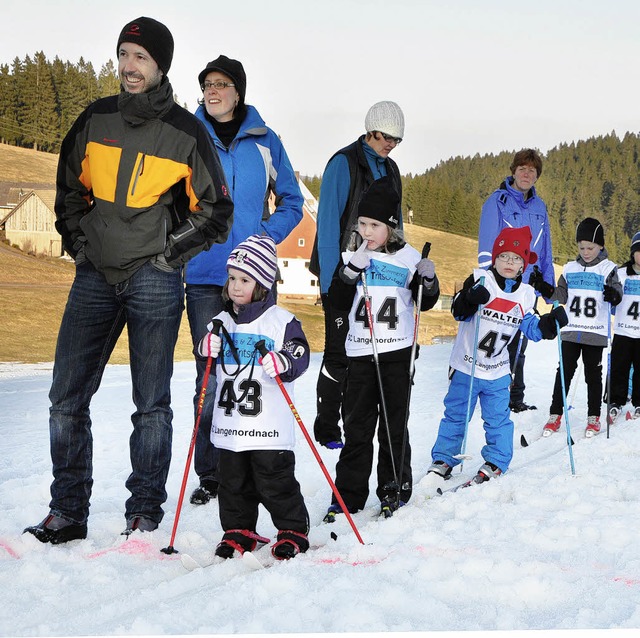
{"points": [[589, 287], [625, 348], [492, 306], [378, 379], [253, 426]]}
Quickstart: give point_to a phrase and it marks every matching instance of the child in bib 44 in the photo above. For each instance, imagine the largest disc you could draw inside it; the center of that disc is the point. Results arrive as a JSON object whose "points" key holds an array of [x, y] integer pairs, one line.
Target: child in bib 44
{"points": [[625, 348], [252, 425], [589, 287], [491, 307], [378, 379]]}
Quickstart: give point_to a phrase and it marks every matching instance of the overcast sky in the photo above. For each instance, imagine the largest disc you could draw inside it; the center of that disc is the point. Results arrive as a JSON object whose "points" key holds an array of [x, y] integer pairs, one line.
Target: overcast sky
{"points": [[472, 76]]}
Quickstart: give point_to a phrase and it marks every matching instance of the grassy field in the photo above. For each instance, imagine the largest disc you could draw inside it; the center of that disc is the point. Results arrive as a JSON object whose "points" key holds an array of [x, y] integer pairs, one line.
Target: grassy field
{"points": [[33, 293]]}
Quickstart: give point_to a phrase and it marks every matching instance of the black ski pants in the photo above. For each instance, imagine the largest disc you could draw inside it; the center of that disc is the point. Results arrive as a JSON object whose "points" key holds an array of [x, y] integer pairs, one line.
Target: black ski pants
{"points": [[333, 372], [363, 413], [260, 476], [592, 360], [625, 352]]}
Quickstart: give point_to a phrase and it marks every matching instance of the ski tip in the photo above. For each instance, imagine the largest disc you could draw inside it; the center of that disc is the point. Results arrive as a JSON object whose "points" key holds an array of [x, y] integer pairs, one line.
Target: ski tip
{"points": [[628, 417], [523, 441], [334, 536], [439, 491]]}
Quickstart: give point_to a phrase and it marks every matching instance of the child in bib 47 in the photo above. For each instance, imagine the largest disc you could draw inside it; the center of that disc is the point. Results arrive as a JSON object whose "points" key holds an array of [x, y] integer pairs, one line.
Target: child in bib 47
{"points": [[379, 346], [491, 307], [253, 426], [589, 287], [625, 348]]}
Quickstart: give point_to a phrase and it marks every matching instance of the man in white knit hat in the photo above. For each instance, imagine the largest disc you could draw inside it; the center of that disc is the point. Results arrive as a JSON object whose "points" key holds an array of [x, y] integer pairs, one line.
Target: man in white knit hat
{"points": [[347, 175]]}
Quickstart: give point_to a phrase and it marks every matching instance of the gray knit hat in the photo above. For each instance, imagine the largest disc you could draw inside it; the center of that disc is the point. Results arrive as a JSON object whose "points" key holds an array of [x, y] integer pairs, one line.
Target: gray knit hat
{"points": [[386, 117], [256, 257]]}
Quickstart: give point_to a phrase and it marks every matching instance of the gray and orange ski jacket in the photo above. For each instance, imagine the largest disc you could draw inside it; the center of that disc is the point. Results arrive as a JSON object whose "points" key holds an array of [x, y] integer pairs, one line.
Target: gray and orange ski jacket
{"points": [[138, 179]]}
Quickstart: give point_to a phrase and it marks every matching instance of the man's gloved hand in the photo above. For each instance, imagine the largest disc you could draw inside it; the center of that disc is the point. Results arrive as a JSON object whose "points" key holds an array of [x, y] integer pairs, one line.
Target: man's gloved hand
{"points": [[275, 363], [210, 345], [159, 262], [359, 262]]}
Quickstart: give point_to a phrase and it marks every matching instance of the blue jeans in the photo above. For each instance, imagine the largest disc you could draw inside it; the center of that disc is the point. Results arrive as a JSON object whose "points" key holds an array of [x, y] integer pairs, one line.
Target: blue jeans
{"points": [[150, 304], [203, 303]]}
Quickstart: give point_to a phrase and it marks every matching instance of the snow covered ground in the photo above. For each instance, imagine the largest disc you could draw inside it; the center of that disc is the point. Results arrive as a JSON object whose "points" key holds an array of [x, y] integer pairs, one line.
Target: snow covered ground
{"points": [[537, 549]]}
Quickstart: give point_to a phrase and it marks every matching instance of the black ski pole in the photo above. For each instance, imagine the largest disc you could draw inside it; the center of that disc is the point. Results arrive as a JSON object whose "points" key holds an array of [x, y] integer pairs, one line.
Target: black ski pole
{"points": [[412, 369], [376, 362]]}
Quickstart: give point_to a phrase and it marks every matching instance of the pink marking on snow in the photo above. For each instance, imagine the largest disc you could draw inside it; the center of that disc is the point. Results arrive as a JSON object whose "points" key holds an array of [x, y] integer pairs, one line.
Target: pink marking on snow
{"points": [[9, 550], [133, 546], [357, 563], [627, 581]]}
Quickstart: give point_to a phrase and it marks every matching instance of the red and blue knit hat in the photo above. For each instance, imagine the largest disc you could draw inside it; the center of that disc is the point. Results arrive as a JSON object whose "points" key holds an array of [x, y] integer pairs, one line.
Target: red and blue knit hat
{"points": [[256, 257]]}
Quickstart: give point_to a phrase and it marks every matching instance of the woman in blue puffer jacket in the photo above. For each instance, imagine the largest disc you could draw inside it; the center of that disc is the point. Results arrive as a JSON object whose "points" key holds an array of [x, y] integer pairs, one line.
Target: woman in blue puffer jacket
{"points": [[255, 164]]}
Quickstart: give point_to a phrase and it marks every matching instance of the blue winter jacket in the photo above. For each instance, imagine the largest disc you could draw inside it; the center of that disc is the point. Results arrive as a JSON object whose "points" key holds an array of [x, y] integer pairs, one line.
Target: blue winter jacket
{"points": [[254, 164], [506, 207]]}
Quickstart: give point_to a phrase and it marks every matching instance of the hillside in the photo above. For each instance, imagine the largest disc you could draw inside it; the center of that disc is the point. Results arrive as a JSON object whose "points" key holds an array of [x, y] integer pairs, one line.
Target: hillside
{"points": [[26, 167], [33, 293]]}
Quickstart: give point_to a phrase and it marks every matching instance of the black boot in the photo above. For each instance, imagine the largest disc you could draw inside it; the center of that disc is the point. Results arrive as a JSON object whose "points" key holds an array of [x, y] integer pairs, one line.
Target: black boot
{"points": [[57, 530], [207, 490]]}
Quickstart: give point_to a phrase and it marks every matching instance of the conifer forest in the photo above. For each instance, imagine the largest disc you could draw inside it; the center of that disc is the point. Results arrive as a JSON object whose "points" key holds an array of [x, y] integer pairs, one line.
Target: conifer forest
{"points": [[598, 177]]}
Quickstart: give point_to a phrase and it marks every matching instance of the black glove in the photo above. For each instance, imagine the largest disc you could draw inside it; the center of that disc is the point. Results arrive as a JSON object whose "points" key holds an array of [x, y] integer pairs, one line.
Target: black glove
{"points": [[477, 295], [537, 281], [549, 323], [612, 295]]}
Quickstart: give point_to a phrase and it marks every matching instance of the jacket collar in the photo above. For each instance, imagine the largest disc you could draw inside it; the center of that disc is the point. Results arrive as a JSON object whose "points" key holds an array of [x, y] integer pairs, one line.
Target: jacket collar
{"points": [[138, 108]]}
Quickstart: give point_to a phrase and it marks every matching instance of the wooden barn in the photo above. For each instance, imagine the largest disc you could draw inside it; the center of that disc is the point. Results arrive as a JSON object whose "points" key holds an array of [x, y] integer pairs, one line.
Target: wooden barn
{"points": [[31, 224]]}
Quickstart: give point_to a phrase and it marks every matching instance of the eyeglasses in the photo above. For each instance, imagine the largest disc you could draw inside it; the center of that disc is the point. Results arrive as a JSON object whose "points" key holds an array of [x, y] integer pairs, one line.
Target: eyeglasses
{"points": [[390, 138], [516, 259], [218, 84]]}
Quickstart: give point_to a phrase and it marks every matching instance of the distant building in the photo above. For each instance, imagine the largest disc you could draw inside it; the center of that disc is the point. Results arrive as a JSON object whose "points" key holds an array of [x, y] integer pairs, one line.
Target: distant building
{"points": [[30, 224], [294, 253]]}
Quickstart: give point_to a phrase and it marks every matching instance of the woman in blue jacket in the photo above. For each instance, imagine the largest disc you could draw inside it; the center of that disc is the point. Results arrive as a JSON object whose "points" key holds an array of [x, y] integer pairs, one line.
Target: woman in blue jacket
{"points": [[515, 204], [255, 165]]}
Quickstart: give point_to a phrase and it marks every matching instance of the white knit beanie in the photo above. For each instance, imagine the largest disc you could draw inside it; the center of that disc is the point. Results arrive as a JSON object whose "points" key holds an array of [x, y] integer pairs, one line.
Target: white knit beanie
{"points": [[256, 257], [386, 117]]}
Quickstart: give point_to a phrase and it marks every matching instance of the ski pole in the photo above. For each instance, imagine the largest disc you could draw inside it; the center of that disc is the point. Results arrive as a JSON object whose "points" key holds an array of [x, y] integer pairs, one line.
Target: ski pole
{"points": [[609, 370], [261, 348], [412, 369], [462, 456], [376, 362], [203, 392], [564, 394]]}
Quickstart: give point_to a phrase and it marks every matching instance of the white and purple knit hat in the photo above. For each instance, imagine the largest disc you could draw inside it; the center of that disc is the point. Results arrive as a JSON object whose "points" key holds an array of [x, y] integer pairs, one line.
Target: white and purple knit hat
{"points": [[256, 257]]}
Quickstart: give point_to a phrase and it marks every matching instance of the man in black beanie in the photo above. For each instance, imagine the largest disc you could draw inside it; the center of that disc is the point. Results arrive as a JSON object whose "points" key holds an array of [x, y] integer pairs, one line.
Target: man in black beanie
{"points": [[140, 192]]}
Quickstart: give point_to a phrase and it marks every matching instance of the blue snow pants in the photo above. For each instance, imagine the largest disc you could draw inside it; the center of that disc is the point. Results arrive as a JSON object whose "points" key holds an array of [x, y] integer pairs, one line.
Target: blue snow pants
{"points": [[498, 426]]}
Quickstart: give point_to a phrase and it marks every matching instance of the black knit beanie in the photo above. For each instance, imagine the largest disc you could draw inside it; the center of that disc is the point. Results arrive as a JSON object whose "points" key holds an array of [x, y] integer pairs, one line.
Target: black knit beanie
{"points": [[232, 68], [380, 201], [152, 36], [590, 229]]}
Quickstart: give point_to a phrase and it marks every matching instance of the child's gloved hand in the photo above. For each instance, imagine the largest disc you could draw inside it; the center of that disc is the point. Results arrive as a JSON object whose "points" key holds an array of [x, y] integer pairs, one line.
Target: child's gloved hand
{"points": [[210, 345], [477, 295], [427, 270], [553, 320], [611, 295], [537, 281], [359, 261], [275, 363]]}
